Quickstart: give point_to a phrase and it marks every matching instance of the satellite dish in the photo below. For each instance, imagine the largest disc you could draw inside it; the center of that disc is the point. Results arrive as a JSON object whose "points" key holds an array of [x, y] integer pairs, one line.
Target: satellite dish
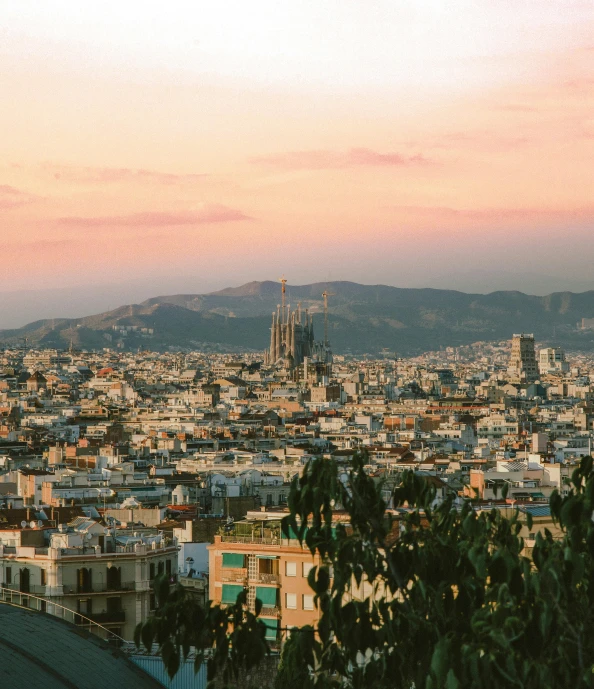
{"points": [[23, 524], [40, 524], [88, 536], [32, 523]]}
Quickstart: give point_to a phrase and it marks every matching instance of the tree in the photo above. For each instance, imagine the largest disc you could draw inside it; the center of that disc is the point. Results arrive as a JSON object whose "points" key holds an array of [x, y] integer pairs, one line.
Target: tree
{"points": [[426, 598]]}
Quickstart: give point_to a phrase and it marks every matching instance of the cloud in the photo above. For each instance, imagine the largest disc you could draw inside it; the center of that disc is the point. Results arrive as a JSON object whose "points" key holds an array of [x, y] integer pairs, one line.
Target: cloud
{"points": [[324, 159], [511, 215], [10, 197], [209, 213], [108, 175]]}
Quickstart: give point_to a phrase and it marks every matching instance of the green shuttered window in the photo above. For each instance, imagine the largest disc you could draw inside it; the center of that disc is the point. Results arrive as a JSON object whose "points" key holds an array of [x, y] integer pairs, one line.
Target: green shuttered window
{"points": [[233, 560], [271, 628], [230, 593], [267, 595]]}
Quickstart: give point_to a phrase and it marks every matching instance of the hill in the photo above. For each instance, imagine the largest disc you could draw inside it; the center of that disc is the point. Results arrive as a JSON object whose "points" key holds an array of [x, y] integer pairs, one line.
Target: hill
{"points": [[363, 318]]}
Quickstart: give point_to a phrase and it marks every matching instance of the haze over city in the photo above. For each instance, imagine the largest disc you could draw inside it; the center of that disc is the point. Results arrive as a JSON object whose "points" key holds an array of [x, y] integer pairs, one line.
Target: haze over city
{"points": [[415, 144]]}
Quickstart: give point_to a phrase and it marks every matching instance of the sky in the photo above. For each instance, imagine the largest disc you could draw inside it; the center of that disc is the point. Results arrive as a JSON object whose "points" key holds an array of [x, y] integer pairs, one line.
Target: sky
{"points": [[152, 147]]}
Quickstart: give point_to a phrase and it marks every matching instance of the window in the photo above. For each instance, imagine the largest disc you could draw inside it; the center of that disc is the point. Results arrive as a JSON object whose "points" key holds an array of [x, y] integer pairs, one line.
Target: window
{"points": [[236, 560], [43, 577], [25, 580], [85, 606], [152, 571], [161, 568], [114, 578], [9, 575], [85, 580], [230, 593], [271, 629], [267, 595], [168, 567], [152, 602], [267, 566], [307, 567], [291, 569], [291, 601], [308, 601]]}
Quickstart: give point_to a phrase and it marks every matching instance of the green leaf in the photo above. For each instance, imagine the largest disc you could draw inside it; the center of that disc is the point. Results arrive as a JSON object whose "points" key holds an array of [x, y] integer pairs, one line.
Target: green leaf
{"points": [[452, 681]]}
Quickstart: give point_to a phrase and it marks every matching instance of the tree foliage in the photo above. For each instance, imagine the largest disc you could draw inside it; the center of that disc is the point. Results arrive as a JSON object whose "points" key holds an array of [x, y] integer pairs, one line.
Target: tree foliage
{"points": [[430, 598]]}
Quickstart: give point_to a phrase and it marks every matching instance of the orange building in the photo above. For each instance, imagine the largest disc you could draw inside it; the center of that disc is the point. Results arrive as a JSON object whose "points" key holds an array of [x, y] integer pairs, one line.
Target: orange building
{"points": [[254, 555]]}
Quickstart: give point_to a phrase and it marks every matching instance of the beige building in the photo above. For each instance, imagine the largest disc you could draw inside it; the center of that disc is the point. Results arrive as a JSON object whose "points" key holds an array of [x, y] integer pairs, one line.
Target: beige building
{"points": [[523, 366], [102, 574]]}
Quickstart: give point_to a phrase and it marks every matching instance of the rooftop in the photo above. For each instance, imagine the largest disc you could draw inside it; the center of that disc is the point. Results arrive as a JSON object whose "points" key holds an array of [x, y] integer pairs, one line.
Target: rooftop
{"points": [[38, 650]]}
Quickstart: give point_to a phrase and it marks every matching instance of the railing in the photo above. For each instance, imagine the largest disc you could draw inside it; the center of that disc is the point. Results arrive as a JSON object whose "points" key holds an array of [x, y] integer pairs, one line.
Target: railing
{"points": [[269, 578], [231, 538], [32, 588], [234, 574], [46, 605], [268, 611], [99, 588]]}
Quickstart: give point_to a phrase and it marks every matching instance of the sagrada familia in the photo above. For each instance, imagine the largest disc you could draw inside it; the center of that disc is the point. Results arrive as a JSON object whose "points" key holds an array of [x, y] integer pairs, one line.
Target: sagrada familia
{"points": [[292, 338]]}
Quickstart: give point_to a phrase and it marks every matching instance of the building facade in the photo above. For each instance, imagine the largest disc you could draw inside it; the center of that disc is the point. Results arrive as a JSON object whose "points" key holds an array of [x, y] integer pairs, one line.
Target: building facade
{"points": [[523, 366], [89, 569], [254, 556]]}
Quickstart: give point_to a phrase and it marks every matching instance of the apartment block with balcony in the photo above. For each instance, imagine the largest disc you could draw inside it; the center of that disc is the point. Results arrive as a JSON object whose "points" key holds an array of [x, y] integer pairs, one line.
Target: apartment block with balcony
{"points": [[102, 574], [253, 555]]}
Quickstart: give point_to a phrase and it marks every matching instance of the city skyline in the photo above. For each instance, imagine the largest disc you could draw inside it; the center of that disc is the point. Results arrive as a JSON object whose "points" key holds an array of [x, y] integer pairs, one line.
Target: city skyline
{"points": [[398, 143]]}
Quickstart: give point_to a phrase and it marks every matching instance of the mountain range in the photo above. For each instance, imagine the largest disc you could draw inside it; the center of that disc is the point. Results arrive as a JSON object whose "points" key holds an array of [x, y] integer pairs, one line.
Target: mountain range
{"points": [[362, 319]]}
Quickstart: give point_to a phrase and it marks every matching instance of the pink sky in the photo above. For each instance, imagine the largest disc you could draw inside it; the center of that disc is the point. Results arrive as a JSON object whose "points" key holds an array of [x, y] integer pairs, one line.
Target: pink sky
{"points": [[403, 142]]}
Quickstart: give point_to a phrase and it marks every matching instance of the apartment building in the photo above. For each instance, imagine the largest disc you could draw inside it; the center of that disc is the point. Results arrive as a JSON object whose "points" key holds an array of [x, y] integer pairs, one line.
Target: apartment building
{"points": [[102, 574], [253, 555]]}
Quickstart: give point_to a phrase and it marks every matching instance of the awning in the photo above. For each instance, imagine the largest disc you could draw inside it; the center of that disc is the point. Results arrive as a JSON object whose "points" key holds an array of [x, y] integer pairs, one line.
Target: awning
{"points": [[267, 594], [271, 628], [233, 560], [267, 557], [230, 593]]}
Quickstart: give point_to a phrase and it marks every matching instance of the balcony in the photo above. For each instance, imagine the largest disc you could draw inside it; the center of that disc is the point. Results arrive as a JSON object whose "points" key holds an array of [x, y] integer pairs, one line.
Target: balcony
{"points": [[269, 578], [32, 589], [270, 612], [99, 588], [232, 574], [232, 538]]}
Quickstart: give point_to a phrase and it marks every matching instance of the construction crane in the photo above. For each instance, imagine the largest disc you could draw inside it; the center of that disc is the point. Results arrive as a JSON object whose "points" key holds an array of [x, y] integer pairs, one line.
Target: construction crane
{"points": [[326, 294]]}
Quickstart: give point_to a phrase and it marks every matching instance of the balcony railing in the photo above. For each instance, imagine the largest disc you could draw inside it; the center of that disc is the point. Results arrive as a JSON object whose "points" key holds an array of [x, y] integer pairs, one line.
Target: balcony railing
{"points": [[35, 589], [269, 578], [99, 588], [268, 611], [232, 538], [234, 574]]}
